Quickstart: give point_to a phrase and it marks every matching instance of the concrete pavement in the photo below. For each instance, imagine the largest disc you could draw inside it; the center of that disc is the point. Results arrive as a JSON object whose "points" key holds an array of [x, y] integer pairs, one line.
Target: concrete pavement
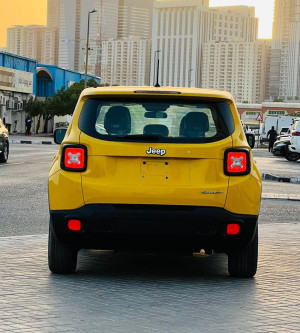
{"points": [[138, 293], [149, 293]]}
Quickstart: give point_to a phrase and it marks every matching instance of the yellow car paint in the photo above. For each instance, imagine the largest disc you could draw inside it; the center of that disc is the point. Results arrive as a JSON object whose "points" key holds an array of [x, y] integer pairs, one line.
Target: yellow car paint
{"points": [[122, 172]]}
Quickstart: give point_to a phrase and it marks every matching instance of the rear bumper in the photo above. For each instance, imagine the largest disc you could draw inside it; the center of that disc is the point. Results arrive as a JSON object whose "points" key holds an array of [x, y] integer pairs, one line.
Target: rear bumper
{"points": [[294, 148], [153, 227]]}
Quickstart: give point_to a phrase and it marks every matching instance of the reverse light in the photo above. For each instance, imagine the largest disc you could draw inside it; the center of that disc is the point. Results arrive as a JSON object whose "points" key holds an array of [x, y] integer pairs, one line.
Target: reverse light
{"points": [[233, 229], [74, 225], [237, 162], [74, 158]]}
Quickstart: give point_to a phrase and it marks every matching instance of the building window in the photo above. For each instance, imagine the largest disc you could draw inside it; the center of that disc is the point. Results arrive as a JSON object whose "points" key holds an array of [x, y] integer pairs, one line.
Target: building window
{"points": [[276, 113]]}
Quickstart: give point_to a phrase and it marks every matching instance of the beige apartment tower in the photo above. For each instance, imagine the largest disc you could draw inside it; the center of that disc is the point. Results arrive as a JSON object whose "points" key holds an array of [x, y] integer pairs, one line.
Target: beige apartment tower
{"points": [[34, 41], [241, 68], [180, 29], [126, 61], [285, 54]]}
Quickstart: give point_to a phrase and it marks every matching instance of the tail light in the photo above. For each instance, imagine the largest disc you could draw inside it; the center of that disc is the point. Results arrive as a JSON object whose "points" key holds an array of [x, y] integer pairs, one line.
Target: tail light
{"points": [[237, 162], [295, 133], [74, 158]]}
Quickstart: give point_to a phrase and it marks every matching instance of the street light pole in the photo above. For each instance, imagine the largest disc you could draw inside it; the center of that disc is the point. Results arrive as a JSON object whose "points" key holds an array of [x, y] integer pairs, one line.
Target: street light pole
{"points": [[87, 48], [190, 77]]}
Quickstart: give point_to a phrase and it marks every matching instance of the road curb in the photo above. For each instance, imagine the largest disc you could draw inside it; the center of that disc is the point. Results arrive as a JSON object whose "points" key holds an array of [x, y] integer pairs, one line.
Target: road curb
{"points": [[280, 197], [267, 176], [28, 142]]}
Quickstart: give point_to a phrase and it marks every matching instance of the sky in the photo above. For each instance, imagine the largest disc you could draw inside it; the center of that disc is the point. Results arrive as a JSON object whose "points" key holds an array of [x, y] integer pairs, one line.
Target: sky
{"points": [[24, 12], [21, 12], [264, 10]]}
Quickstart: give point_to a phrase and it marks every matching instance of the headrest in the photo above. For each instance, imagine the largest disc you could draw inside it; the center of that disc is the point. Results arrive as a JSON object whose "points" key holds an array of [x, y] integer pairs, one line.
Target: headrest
{"points": [[117, 120], [156, 129], [194, 125]]}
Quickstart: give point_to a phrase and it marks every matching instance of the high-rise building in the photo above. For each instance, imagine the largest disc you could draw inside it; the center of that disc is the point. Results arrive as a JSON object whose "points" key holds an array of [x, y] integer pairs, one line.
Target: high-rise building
{"points": [[113, 19], [73, 31], [235, 23], [134, 18], [126, 61], [33, 41], [180, 28], [285, 53], [53, 13], [13, 43], [241, 68], [134, 27], [52, 37]]}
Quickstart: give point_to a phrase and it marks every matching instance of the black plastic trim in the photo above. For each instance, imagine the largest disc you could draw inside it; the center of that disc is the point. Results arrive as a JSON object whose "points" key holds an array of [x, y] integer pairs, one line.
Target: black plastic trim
{"points": [[119, 226]]}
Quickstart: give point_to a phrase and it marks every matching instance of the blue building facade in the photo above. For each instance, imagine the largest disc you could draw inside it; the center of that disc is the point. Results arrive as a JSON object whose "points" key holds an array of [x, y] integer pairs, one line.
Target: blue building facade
{"points": [[21, 78], [17, 85], [16, 62], [51, 78]]}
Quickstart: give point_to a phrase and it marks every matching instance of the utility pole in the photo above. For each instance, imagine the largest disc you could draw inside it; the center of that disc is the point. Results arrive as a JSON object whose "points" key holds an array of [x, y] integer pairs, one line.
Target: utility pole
{"points": [[87, 47]]}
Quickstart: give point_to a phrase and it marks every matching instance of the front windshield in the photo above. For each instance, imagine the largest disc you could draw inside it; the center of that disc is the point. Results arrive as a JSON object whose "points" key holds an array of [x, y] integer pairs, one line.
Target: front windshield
{"points": [[155, 121]]}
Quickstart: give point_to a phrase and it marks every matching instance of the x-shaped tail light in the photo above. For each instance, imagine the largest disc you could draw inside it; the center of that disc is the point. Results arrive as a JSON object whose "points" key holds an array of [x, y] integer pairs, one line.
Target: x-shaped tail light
{"points": [[74, 158], [237, 162]]}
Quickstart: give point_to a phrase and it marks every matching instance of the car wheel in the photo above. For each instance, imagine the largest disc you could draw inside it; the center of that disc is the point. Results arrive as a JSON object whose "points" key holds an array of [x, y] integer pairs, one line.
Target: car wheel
{"points": [[244, 262], [290, 156], [4, 154], [62, 259]]}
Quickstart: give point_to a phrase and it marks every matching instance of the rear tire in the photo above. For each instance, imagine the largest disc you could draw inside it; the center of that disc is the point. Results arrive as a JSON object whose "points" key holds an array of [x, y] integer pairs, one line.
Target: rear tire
{"points": [[244, 262], [4, 154], [62, 259], [290, 156]]}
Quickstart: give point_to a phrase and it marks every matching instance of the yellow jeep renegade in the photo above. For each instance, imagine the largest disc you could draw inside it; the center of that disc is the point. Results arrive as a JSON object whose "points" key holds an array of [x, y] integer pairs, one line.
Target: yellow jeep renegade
{"points": [[154, 169]]}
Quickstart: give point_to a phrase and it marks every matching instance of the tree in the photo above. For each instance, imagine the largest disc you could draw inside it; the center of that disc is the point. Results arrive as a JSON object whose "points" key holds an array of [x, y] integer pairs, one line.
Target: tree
{"points": [[62, 103], [35, 108]]}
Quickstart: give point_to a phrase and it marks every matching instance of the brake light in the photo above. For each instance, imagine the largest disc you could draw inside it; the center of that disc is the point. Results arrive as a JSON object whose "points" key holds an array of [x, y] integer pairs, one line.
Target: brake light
{"points": [[295, 133], [74, 158], [237, 162], [233, 229]]}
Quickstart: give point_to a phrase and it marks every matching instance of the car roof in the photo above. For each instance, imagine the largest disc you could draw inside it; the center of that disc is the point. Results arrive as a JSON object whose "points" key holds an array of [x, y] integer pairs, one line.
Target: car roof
{"points": [[144, 90]]}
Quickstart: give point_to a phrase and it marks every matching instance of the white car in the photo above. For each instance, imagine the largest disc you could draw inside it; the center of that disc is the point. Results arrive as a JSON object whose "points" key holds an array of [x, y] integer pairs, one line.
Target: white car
{"points": [[295, 137]]}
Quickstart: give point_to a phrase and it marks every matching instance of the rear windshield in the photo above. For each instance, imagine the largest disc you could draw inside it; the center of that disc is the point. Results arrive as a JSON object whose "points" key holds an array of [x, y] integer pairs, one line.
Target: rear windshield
{"points": [[154, 121]]}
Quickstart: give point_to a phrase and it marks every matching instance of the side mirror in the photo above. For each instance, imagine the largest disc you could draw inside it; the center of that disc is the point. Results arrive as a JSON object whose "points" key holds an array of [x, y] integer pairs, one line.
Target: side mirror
{"points": [[251, 139], [59, 135]]}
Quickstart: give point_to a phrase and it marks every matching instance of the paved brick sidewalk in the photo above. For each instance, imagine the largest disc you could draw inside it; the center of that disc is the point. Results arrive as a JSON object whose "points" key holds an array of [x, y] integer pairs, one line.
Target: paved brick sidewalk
{"points": [[138, 293]]}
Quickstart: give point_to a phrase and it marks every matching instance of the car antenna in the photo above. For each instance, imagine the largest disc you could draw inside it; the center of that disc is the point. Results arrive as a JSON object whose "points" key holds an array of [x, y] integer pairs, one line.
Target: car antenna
{"points": [[157, 85]]}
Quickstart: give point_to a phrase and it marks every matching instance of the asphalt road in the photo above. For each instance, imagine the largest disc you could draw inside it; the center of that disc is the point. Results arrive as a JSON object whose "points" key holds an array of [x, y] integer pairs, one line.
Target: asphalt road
{"points": [[278, 166], [24, 204]]}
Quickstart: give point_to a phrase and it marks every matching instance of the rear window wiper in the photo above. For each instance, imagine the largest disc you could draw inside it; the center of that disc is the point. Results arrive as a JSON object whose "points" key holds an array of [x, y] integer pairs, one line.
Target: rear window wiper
{"points": [[141, 137]]}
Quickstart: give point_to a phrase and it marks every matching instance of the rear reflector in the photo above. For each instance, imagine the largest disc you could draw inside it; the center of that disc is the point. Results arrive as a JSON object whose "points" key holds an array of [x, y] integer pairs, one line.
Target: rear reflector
{"points": [[74, 158], [237, 162], [74, 225], [233, 229]]}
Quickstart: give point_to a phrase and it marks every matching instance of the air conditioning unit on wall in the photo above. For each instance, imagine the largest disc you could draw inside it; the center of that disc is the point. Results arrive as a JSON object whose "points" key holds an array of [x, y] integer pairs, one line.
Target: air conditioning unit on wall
{"points": [[20, 106], [10, 104], [2, 100]]}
